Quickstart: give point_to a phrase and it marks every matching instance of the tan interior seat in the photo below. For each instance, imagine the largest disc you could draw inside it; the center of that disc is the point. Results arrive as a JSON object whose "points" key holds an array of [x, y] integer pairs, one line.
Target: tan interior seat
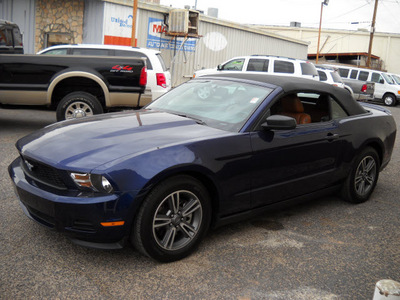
{"points": [[292, 107]]}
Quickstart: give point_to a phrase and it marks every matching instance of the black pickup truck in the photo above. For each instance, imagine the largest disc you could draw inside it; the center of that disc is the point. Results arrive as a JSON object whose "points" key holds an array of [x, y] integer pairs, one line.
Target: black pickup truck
{"points": [[75, 86]]}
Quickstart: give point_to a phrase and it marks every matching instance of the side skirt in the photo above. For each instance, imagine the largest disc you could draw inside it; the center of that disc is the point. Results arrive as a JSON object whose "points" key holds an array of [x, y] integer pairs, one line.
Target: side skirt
{"points": [[274, 206]]}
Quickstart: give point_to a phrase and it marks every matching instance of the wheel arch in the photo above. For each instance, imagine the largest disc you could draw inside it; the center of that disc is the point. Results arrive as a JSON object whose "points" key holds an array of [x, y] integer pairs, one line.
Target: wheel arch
{"points": [[203, 175], [390, 94], [377, 146], [92, 80]]}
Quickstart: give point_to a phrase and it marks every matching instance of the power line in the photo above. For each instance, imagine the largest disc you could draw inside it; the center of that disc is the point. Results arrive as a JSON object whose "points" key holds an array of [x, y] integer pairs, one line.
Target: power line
{"points": [[350, 11]]}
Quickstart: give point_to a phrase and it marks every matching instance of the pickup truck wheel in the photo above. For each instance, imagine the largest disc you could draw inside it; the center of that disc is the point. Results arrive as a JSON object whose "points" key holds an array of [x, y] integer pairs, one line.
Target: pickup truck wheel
{"points": [[78, 105], [172, 220], [363, 177], [389, 100]]}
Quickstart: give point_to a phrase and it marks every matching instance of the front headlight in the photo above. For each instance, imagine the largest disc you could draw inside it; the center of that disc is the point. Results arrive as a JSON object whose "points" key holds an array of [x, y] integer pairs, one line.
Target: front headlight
{"points": [[95, 182]]}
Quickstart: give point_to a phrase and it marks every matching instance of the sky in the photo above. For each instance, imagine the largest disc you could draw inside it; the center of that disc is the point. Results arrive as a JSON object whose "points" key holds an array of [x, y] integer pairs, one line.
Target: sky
{"points": [[338, 14]]}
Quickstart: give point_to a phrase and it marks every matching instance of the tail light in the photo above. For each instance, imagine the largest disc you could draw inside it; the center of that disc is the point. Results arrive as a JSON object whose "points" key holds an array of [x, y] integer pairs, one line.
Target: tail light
{"points": [[161, 81], [143, 76], [364, 88]]}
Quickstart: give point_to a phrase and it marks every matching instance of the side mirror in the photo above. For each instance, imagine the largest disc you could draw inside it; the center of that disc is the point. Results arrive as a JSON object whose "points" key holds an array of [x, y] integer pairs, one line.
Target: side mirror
{"points": [[381, 80], [219, 67], [279, 122]]}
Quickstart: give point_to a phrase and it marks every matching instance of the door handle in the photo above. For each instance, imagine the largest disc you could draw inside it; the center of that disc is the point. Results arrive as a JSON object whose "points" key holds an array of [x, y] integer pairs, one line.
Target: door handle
{"points": [[332, 136]]}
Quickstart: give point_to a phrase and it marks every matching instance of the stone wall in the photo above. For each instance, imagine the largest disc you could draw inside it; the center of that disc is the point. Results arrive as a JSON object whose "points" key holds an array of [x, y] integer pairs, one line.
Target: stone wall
{"points": [[58, 22]]}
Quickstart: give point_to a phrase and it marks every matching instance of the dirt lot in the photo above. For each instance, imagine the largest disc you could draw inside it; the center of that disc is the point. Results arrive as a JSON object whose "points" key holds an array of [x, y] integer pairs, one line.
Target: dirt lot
{"points": [[324, 249]]}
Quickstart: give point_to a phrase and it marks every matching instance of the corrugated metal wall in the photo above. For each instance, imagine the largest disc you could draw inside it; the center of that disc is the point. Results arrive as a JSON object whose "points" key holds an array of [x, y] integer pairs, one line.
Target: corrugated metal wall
{"points": [[209, 51], [21, 12]]}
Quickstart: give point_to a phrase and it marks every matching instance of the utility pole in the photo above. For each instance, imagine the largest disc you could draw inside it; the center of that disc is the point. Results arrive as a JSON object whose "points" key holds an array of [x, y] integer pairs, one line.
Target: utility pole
{"points": [[134, 14], [319, 31], [371, 35]]}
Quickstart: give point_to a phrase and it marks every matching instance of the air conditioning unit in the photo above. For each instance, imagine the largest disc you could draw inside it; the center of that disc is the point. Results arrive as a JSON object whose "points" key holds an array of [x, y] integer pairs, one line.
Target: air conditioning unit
{"points": [[183, 22]]}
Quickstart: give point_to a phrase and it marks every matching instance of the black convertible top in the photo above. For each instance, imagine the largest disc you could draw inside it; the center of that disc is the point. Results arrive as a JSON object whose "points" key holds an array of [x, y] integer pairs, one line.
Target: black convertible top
{"points": [[292, 84]]}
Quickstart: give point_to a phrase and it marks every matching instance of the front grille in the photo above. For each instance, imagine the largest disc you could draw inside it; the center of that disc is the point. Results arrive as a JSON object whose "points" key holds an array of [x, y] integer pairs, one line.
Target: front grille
{"points": [[43, 173]]}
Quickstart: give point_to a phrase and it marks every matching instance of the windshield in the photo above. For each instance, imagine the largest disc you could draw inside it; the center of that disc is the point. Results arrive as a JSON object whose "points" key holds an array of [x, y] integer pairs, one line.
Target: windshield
{"points": [[396, 78], [220, 104], [388, 78]]}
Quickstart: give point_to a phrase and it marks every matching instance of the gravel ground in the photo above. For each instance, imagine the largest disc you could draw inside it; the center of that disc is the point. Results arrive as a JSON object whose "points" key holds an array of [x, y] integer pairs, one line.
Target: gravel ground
{"points": [[324, 249]]}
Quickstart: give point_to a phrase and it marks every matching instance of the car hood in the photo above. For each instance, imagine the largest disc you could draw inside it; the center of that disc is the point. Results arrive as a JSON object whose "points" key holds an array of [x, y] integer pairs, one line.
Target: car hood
{"points": [[85, 144]]}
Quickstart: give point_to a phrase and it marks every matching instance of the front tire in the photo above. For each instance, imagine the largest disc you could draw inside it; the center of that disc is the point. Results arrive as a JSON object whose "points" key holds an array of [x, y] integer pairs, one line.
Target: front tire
{"points": [[363, 177], [172, 220], [389, 100], [78, 105]]}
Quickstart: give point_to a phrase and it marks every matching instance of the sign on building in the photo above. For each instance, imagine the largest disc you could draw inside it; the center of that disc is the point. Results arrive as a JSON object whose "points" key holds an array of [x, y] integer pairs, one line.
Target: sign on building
{"points": [[156, 28], [117, 24]]}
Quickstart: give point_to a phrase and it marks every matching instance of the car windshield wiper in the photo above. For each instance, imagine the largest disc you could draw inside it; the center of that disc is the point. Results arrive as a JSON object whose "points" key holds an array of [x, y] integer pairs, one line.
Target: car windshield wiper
{"points": [[198, 121]]}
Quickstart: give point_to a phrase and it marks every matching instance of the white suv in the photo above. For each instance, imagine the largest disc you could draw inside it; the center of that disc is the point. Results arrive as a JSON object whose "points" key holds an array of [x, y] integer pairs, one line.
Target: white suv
{"points": [[158, 77], [265, 63]]}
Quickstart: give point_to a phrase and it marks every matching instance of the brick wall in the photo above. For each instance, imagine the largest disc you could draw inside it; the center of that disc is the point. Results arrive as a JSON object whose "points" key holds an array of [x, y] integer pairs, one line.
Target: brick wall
{"points": [[58, 22]]}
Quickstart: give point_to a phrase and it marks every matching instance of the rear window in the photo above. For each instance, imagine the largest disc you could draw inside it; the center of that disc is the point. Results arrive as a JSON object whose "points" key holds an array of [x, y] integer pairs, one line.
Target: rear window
{"points": [[134, 54], [322, 76], [258, 65], [353, 74], [343, 72], [308, 69], [5, 37], [281, 66], [363, 76]]}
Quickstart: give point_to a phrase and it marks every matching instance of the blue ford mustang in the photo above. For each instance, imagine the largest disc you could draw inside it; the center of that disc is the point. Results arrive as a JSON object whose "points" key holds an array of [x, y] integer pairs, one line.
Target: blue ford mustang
{"points": [[211, 151]]}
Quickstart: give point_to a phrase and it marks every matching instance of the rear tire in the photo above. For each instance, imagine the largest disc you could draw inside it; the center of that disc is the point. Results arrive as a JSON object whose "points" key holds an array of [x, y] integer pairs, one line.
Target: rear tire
{"points": [[77, 105], [363, 177], [172, 220]]}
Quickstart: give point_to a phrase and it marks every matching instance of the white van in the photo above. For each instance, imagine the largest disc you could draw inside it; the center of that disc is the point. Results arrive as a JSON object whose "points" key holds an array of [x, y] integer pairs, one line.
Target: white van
{"points": [[269, 64], [386, 90]]}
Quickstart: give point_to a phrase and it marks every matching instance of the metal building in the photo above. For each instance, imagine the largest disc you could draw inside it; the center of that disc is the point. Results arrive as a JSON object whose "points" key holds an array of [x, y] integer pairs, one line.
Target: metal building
{"points": [[110, 22], [218, 40]]}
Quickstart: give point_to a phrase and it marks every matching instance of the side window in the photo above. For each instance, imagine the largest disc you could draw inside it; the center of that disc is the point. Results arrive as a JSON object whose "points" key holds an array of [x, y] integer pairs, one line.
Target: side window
{"points": [[134, 54], [234, 65], [258, 65], [337, 111], [17, 37], [281, 66], [77, 51], [304, 107], [353, 74], [56, 52], [363, 76], [343, 72], [322, 76], [376, 77]]}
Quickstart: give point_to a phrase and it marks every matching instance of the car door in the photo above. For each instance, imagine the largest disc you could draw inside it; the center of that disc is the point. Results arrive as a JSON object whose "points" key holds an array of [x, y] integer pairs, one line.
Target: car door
{"points": [[291, 163], [380, 88]]}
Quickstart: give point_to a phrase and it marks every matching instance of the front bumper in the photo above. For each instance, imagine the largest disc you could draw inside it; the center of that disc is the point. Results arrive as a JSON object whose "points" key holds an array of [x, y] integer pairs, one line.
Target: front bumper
{"points": [[77, 215]]}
